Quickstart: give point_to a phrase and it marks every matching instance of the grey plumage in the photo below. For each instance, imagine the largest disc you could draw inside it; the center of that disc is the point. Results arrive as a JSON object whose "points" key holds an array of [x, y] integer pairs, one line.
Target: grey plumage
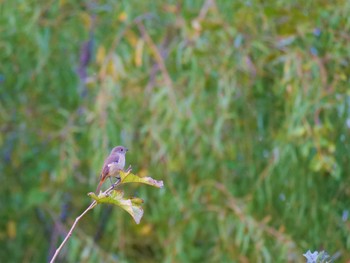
{"points": [[114, 163]]}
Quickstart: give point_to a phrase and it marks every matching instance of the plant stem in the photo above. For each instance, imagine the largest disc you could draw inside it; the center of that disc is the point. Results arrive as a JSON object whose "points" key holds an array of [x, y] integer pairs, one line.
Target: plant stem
{"points": [[92, 205]]}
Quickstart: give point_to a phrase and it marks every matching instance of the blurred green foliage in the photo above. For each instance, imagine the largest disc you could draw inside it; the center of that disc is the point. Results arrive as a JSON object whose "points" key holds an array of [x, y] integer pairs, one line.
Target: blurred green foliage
{"points": [[241, 107]]}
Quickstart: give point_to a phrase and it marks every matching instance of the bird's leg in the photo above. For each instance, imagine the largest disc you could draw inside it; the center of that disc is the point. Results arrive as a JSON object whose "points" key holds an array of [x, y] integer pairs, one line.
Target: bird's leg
{"points": [[112, 184], [118, 178], [117, 182]]}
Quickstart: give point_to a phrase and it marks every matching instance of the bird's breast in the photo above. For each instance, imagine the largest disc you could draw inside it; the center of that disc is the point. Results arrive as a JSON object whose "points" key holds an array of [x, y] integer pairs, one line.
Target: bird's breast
{"points": [[115, 167], [121, 161]]}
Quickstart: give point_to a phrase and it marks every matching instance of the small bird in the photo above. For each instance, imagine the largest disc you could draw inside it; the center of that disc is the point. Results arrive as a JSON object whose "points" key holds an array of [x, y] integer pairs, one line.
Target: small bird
{"points": [[114, 163]]}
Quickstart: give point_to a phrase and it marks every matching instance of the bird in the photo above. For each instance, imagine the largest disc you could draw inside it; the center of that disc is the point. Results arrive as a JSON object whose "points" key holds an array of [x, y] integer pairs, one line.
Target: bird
{"points": [[113, 164]]}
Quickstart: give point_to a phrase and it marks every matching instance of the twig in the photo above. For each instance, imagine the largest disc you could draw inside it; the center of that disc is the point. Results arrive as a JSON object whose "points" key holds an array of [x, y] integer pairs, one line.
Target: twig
{"points": [[91, 206]]}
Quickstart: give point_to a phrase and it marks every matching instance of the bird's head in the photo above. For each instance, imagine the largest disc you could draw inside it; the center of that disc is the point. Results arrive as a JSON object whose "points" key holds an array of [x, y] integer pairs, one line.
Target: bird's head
{"points": [[119, 149]]}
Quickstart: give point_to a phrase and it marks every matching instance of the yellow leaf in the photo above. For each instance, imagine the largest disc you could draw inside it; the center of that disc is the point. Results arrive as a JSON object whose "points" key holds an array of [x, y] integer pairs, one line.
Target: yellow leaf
{"points": [[116, 197], [133, 178]]}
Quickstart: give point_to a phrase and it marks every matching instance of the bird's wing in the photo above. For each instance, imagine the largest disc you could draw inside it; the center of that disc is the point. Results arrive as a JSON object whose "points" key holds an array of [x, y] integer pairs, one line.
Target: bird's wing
{"points": [[113, 158]]}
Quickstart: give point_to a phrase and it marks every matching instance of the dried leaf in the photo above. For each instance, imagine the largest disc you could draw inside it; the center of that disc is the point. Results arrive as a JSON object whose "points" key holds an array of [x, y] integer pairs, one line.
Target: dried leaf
{"points": [[132, 205], [133, 178]]}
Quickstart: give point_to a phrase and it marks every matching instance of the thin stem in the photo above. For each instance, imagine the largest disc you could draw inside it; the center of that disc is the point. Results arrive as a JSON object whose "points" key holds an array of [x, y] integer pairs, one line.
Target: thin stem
{"points": [[91, 206]]}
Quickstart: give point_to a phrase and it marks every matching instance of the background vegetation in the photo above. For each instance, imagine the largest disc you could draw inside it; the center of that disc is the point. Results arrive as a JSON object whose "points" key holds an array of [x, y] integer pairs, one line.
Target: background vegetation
{"points": [[241, 107]]}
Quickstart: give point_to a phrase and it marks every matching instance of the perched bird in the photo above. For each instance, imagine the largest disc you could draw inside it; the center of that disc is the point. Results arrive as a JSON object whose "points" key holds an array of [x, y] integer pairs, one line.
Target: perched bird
{"points": [[113, 164]]}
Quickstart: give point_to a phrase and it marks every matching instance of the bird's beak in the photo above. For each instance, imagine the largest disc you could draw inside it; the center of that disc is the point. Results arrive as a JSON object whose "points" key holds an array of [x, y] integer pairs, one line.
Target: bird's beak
{"points": [[126, 149]]}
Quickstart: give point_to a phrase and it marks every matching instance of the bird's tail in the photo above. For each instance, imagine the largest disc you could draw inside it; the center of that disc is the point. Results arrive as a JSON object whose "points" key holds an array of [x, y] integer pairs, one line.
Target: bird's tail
{"points": [[99, 187]]}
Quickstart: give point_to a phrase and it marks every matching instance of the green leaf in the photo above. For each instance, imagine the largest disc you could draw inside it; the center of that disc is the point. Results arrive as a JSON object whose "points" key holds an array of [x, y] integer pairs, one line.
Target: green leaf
{"points": [[133, 178], [132, 205]]}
